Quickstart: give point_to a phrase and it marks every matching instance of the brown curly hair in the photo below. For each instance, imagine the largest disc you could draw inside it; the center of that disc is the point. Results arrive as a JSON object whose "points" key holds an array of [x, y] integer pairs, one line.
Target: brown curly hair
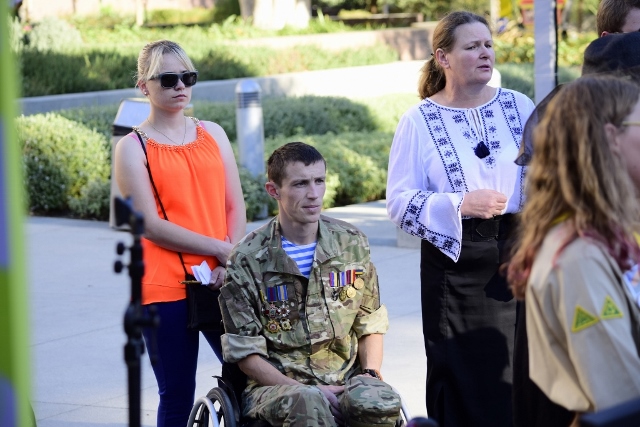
{"points": [[575, 174]]}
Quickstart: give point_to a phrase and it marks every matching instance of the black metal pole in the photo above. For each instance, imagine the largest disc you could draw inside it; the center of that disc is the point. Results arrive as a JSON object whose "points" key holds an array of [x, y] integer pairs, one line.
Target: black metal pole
{"points": [[134, 318]]}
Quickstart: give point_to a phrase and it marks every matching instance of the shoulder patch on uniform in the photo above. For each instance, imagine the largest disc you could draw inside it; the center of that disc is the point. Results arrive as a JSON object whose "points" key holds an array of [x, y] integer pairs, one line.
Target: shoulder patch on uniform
{"points": [[610, 310], [582, 319]]}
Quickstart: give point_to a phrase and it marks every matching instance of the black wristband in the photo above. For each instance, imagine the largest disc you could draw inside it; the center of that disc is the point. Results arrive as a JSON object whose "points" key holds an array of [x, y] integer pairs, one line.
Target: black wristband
{"points": [[373, 372]]}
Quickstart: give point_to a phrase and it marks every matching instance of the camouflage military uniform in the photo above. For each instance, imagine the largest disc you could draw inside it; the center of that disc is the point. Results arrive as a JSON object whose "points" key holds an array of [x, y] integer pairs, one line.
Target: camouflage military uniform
{"points": [[305, 328]]}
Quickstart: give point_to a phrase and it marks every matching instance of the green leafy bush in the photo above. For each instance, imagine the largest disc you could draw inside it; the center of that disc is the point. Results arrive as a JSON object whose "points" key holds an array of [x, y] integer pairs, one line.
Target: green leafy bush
{"points": [[96, 117], [308, 115], [55, 35], [196, 15], [517, 46], [344, 131], [16, 35], [521, 77], [54, 73], [61, 158], [93, 200], [356, 163], [224, 9], [95, 69], [255, 196]]}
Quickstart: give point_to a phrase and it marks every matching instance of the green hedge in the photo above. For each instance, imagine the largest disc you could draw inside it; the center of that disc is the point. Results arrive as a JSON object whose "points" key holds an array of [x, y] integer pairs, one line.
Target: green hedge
{"points": [[53, 72], [67, 154], [310, 115], [352, 135], [356, 164], [66, 166]]}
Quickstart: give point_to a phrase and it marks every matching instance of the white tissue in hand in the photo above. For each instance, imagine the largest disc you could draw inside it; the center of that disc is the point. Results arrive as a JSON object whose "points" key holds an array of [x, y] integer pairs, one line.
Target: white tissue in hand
{"points": [[202, 272]]}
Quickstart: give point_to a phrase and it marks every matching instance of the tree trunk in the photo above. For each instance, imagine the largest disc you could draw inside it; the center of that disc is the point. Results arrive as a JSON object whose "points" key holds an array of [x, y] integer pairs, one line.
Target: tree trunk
{"points": [[141, 11], [275, 14]]}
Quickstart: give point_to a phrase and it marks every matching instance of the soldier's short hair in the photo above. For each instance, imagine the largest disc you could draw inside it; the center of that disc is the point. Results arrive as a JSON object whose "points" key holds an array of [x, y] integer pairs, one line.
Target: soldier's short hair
{"points": [[290, 153], [612, 14]]}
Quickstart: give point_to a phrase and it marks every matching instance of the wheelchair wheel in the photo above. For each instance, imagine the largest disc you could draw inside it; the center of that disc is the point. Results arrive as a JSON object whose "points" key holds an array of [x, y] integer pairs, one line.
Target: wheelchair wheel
{"points": [[213, 410]]}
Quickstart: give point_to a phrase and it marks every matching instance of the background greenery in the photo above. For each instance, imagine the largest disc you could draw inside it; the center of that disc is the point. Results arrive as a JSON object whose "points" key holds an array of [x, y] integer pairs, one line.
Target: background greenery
{"points": [[69, 175], [67, 153], [57, 56]]}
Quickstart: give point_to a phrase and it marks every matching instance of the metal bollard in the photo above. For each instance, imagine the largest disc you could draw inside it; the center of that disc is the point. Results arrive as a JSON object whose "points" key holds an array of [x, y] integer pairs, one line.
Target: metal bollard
{"points": [[250, 130]]}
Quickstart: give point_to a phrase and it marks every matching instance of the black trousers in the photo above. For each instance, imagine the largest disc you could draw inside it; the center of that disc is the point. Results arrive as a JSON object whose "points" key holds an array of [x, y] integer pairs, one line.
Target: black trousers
{"points": [[468, 319], [531, 407]]}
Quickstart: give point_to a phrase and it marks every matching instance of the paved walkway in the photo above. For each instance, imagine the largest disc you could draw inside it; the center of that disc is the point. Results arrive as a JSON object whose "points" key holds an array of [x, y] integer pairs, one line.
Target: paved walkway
{"points": [[77, 304]]}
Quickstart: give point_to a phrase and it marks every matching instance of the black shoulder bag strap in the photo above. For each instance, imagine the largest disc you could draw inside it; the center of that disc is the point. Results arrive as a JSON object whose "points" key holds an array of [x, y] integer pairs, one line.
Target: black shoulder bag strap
{"points": [[155, 190]]}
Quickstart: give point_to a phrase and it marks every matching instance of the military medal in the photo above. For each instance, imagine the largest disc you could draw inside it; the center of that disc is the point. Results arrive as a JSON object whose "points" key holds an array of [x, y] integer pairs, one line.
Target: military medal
{"points": [[333, 279], [285, 324], [343, 294], [359, 282], [278, 314], [351, 292], [273, 326]]}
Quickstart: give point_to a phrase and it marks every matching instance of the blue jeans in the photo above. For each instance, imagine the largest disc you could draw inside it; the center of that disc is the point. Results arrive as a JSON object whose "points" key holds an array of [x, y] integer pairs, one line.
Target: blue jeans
{"points": [[176, 357]]}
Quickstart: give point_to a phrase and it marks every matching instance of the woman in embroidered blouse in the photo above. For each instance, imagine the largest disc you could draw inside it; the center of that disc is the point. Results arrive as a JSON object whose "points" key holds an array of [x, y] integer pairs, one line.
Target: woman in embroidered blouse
{"points": [[193, 168], [573, 261], [452, 182]]}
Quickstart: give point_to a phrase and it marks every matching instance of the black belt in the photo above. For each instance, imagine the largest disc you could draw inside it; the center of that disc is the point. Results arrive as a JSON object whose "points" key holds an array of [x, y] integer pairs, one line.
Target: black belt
{"points": [[483, 230]]}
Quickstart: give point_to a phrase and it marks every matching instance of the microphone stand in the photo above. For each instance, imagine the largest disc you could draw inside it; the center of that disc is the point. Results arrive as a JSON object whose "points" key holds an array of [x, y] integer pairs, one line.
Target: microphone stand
{"points": [[135, 319]]}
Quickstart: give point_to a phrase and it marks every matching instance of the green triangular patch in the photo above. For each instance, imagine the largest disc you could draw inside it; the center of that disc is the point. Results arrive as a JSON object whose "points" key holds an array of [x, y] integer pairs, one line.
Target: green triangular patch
{"points": [[582, 319], [610, 310]]}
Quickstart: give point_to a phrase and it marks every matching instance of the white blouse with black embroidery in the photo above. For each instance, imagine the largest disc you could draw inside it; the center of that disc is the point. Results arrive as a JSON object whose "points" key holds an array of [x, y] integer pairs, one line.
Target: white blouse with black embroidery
{"points": [[439, 154]]}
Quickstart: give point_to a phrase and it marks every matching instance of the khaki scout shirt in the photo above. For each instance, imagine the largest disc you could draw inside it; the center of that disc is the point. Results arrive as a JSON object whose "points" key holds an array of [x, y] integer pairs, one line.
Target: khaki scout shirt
{"points": [[322, 345], [582, 352]]}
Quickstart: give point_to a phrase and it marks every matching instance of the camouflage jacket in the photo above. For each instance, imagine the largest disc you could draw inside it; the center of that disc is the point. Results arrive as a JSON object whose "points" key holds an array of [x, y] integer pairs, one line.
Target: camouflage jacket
{"points": [[310, 332]]}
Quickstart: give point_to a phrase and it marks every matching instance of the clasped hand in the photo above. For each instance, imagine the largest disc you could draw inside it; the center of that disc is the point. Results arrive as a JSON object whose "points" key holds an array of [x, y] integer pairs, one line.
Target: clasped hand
{"points": [[331, 392], [217, 277], [483, 204]]}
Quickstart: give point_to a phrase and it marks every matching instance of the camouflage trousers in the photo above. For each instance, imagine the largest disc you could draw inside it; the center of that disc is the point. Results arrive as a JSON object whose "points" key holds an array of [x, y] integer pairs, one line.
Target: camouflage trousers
{"points": [[365, 401]]}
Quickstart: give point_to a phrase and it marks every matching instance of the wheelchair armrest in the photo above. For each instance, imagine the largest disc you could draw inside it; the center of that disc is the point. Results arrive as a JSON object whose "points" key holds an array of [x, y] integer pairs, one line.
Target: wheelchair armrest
{"points": [[625, 414]]}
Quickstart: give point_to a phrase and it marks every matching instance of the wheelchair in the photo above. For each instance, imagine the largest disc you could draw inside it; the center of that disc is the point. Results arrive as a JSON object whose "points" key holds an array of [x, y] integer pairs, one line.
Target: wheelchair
{"points": [[221, 405]]}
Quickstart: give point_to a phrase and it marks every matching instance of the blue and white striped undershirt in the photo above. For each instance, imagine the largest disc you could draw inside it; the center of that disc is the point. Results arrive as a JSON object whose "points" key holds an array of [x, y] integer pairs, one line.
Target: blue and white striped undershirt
{"points": [[301, 254]]}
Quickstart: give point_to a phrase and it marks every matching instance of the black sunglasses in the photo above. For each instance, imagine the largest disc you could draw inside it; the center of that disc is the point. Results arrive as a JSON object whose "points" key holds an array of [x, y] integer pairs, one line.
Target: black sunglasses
{"points": [[170, 80]]}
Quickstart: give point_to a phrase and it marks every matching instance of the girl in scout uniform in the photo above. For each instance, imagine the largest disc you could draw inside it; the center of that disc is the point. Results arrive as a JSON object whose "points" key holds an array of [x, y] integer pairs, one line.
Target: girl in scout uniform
{"points": [[576, 242]]}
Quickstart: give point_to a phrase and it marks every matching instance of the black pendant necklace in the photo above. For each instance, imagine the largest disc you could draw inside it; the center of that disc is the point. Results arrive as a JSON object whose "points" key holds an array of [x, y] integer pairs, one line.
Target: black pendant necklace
{"points": [[481, 150]]}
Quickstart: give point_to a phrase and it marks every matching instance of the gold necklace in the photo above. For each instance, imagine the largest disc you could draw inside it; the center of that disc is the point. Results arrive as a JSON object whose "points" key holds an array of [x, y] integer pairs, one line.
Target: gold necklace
{"points": [[183, 136]]}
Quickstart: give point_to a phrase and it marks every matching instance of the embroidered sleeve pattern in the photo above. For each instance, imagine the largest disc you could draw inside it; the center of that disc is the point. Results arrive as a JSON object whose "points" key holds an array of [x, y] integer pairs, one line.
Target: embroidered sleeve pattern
{"points": [[513, 118], [442, 141], [412, 225]]}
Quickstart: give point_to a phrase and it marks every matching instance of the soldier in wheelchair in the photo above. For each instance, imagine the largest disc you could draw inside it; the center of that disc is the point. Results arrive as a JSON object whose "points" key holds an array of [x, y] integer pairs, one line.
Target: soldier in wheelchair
{"points": [[301, 310]]}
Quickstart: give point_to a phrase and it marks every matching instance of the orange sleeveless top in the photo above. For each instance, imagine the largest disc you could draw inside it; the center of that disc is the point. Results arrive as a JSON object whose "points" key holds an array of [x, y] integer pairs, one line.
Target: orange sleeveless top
{"points": [[191, 183]]}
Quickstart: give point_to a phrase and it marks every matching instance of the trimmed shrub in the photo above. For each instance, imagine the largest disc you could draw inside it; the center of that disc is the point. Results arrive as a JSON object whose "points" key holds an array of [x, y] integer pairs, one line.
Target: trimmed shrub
{"points": [[306, 115], [356, 164], [96, 117], [224, 9], [386, 110], [255, 196], [356, 153], [61, 158], [163, 17], [55, 35], [16, 35], [520, 77], [52, 72], [93, 200]]}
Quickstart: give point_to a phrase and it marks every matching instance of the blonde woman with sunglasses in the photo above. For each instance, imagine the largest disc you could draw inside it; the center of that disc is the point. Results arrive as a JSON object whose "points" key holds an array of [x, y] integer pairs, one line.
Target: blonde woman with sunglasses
{"points": [[182, 176], [576, 260]]}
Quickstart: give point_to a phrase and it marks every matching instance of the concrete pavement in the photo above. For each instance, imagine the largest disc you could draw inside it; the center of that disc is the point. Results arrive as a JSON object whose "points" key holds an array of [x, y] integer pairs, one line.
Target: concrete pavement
{"points": [[79, 374]]}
